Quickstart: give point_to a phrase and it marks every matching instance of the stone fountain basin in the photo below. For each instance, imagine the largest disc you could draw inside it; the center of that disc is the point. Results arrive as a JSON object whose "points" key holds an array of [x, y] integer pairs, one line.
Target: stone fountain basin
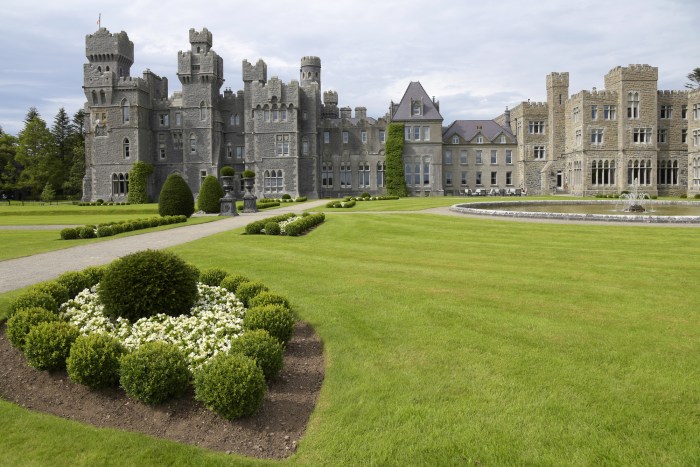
{"points": [[659, 211]]}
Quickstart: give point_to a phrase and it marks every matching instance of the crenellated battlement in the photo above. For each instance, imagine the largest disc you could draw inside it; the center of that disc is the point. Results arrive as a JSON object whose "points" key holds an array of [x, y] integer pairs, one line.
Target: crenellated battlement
{"points": [[535, 105], [330, 98], [310, 61], [595, 94], [558, 79], [679, 92], [105, 46], [257, 72], [200, 37], [633, 72]]}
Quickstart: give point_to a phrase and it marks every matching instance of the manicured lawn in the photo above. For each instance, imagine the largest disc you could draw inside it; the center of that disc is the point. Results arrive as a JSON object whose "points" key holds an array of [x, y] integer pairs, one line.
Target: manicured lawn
{"points": [[421, 203], [67, 214], [454, 340]]}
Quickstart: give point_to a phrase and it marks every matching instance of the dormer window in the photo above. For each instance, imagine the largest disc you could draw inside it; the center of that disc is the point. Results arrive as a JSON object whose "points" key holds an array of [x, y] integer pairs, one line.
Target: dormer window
{"points": [[417, 108], [455, 139]]}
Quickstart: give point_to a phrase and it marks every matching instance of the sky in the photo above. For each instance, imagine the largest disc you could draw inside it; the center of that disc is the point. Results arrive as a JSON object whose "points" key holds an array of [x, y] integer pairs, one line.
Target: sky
{"points": [[475, 57]]}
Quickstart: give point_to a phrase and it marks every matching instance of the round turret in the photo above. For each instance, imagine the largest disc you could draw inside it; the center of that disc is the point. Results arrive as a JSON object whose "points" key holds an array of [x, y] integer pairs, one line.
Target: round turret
{"points": [[310, 71]]}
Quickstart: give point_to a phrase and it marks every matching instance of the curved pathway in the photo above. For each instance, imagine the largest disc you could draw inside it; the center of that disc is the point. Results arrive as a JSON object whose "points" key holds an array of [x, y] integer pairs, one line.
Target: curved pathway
{"points": [[21, 272]]}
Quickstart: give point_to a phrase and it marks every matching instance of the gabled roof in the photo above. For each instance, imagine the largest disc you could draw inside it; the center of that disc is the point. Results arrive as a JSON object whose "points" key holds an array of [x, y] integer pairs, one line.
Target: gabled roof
{"points": [[468, 129], [415, 92]]}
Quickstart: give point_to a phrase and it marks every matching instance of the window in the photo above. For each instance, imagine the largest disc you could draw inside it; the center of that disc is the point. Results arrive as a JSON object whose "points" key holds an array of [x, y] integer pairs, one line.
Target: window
{"points": [[363, 136], [202, 176], [177, 140], [639, 172], [426, 133], [594, 112], [536, 128], [662, 136], [126, 148], [633, 105], [416, 133], [327, 174], [125, 111], [283, 115], [494, 157], [448, 178], [502, 139], [407, 173], [576, 112], [463, 157], [539, 152], [478, 156], [667, 173], [364, 175], [478, 179], [407, 133], [345, 137], [178, 119], [426, 173], [609, 112], [448, 157], [326, 137], [455, 139], [120, 184], [240, 152], [282, 145], [382, 136], [578, 138], [275, 115], [229, 151], [416, 108], [416, 173], [345, 175], [696, 171], [237, 120], [696, 111], [641, 135], [193, 143], [305, 145], [684, 111], [272, 181], [202, 111], [161, 146], [509, 178], [305, 115], [266, 115], [684, 136], [666, 111], [597, 136], [696, 138], [103, 97], [463, 178], [494, 178], [479, 139], [509, 156], [164, 119], [603, 172], [381, 174]]}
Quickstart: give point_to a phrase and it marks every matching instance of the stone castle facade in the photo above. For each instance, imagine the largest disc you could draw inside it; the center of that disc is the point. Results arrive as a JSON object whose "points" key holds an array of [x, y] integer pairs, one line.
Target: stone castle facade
{"points": [[298, 141]]}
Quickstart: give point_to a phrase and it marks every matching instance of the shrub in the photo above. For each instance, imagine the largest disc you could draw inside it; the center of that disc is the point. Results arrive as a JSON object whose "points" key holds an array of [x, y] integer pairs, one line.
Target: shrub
{"points": [[34, 298], [395, 182], [248, 173], [227, 171], [257, 227], [138, 182], [286, 196], [697, 196], [210, 194], [247, 290], [265, 350], [117, 229], [364, 195], [300, 226], [154, 373], [269, 298], [300, 199], [175, 197], [684, 195], [87, 231], [69, 233], [278, 320], [105, 231], [75, 282], [231, 282], [94, 360], [48, 344], [272, 228], [58, 292], [94, 274], [233, 386], [24, 319], [148, 282], [212, 276]]}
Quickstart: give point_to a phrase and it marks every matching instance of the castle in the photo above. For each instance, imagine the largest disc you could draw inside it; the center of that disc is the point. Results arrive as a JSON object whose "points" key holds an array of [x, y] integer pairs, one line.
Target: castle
{"points": [[299, 142]]}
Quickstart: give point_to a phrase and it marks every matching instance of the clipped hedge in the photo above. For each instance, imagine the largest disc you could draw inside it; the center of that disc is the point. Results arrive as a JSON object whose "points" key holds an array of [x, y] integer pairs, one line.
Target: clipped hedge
{"points": [[212, 276], [210, 194], [272, 228], [231, 282], [176, 197], [24, 319], [34, 298], [114, 228], [258, 226], [93, 360], [341, 204], [268, 298], [303, 224], [48, 345], [278, 320], [265, 350], [247, 290]]}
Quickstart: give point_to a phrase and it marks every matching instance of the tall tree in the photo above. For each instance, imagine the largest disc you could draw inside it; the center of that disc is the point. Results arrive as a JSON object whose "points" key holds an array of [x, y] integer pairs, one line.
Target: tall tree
{"points": [[694, 78], [75, 162], [32, 113], [62, 131], [37, 156], [395, 182], [8, 167]]}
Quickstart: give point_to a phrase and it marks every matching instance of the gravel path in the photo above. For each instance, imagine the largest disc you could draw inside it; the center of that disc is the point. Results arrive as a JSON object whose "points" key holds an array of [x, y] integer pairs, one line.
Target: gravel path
{"points": [[21, 272]]}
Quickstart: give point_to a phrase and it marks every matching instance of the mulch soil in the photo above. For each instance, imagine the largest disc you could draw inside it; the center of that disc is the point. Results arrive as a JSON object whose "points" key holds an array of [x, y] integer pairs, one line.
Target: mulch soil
{"points": [[273, 432]]}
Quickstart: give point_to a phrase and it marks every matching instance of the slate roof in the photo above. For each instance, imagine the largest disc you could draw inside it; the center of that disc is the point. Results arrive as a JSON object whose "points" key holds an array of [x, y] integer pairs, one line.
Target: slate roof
{"points": [[415, 92], [468, 129]]}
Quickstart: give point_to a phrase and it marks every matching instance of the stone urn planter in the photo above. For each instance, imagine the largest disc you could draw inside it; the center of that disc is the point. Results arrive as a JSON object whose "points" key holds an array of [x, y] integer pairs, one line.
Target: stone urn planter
{"points": [[228, 202], [249, 199]]}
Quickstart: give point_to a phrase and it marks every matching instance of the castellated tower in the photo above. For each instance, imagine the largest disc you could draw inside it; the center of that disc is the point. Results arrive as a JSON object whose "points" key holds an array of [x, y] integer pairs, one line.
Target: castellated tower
{"points": [[310, 101], [310, 71], [557, 94]]}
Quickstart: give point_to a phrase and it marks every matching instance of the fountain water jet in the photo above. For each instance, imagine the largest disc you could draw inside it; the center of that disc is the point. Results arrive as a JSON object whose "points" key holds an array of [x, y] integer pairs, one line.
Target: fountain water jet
{"points": [[635, 201]]}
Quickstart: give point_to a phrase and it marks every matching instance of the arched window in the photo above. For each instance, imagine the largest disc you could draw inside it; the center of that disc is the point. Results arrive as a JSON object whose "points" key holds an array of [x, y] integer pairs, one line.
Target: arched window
{"points": [[120, 184], [272, 181], [364, 175], [115, 184], [99, 69], [305, 145], [229, 150], [327, 174], [125, 111], [202, 113], [237, 120], [103, 97], [127, 148], [193, 143], [107, 68], [381, 174], [94, 98], [407, 173]]}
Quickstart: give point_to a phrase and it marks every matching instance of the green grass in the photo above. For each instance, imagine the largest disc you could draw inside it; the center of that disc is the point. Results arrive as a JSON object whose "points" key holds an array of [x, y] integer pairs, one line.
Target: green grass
{"points": [[453, 340], [421, 203], [68, 214]]}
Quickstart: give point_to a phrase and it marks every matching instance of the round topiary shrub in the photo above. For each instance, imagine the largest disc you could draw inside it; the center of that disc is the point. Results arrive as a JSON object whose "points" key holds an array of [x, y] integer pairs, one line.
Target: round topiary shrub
{"points": [[278, 320], [117, 229], [94, 274], [247, 290], [148, 282], [227, 171], [75, 282], [231, 385], [364, 195], [286, 196], [105, 231], [154, 373], [58, 292], [210, 195], [272, 228], [94, 360], [48, 344], [69, 233], [232, 281], [34, 298], [267, 351], [87, 231], [24, 319], [212, 276], [269, 298], [175, 197]]}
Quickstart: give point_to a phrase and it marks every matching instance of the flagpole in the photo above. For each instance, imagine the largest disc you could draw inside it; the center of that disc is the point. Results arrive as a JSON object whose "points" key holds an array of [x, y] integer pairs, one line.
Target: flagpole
{"points": [[99, 21]]}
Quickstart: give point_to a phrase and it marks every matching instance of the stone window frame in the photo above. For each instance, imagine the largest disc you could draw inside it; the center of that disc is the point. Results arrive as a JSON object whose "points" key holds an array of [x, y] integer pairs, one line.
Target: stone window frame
{"points": [[448, 157], [494, 156], [346, 137], [639, 170], [363, 136], [426, 133], [364, 175], [594, 112], [202, 112], [509, 156], [633, 105], [326, 137], [345, 175], [126, 148], [125, 110], [327, 175], [662, 136], [603, 172], [464, 156], [539, 152], [494, 178], [448, 178], [575, 114], [684, 136], [463, 181], [609, 112], [509, 178], [455, 139], [305, 145], [193, 143], [479, 180], [641, 135], [164, 119], [426, 171], [229, 150], [536, 127], [381, 174], [596, 136], [695, 170], [382, 136], [667, 172], [666, 112], [120, 184], [273, 181], [161, 146]]}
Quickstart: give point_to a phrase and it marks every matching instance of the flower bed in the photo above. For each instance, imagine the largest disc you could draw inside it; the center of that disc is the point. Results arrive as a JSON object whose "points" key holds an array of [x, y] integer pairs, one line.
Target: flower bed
{"points": [[286, 224]]}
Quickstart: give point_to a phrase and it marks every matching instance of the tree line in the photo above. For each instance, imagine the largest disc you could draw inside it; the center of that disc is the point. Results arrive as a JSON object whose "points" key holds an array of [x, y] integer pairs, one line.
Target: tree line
{"points": [[42, 159]]}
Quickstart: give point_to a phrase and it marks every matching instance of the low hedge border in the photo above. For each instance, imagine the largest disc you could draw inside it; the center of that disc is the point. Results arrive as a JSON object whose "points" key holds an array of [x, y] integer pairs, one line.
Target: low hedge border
{"points": [[304, 224], [99, 202], [258, 226], [114, 228]]}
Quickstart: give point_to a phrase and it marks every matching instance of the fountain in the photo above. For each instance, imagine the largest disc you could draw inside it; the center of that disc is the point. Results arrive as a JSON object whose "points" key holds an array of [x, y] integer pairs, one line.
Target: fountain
{"points": [[635, 201]]}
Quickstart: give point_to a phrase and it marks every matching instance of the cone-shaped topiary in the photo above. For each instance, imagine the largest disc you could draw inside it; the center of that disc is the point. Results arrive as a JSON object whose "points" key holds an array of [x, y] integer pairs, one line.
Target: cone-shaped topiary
{"points": [[175, 197], [209, 199]]}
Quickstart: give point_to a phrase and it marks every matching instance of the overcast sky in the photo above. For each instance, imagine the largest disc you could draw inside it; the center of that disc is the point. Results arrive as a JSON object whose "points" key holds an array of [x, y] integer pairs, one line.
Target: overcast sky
{"points": [[476, 58]]}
